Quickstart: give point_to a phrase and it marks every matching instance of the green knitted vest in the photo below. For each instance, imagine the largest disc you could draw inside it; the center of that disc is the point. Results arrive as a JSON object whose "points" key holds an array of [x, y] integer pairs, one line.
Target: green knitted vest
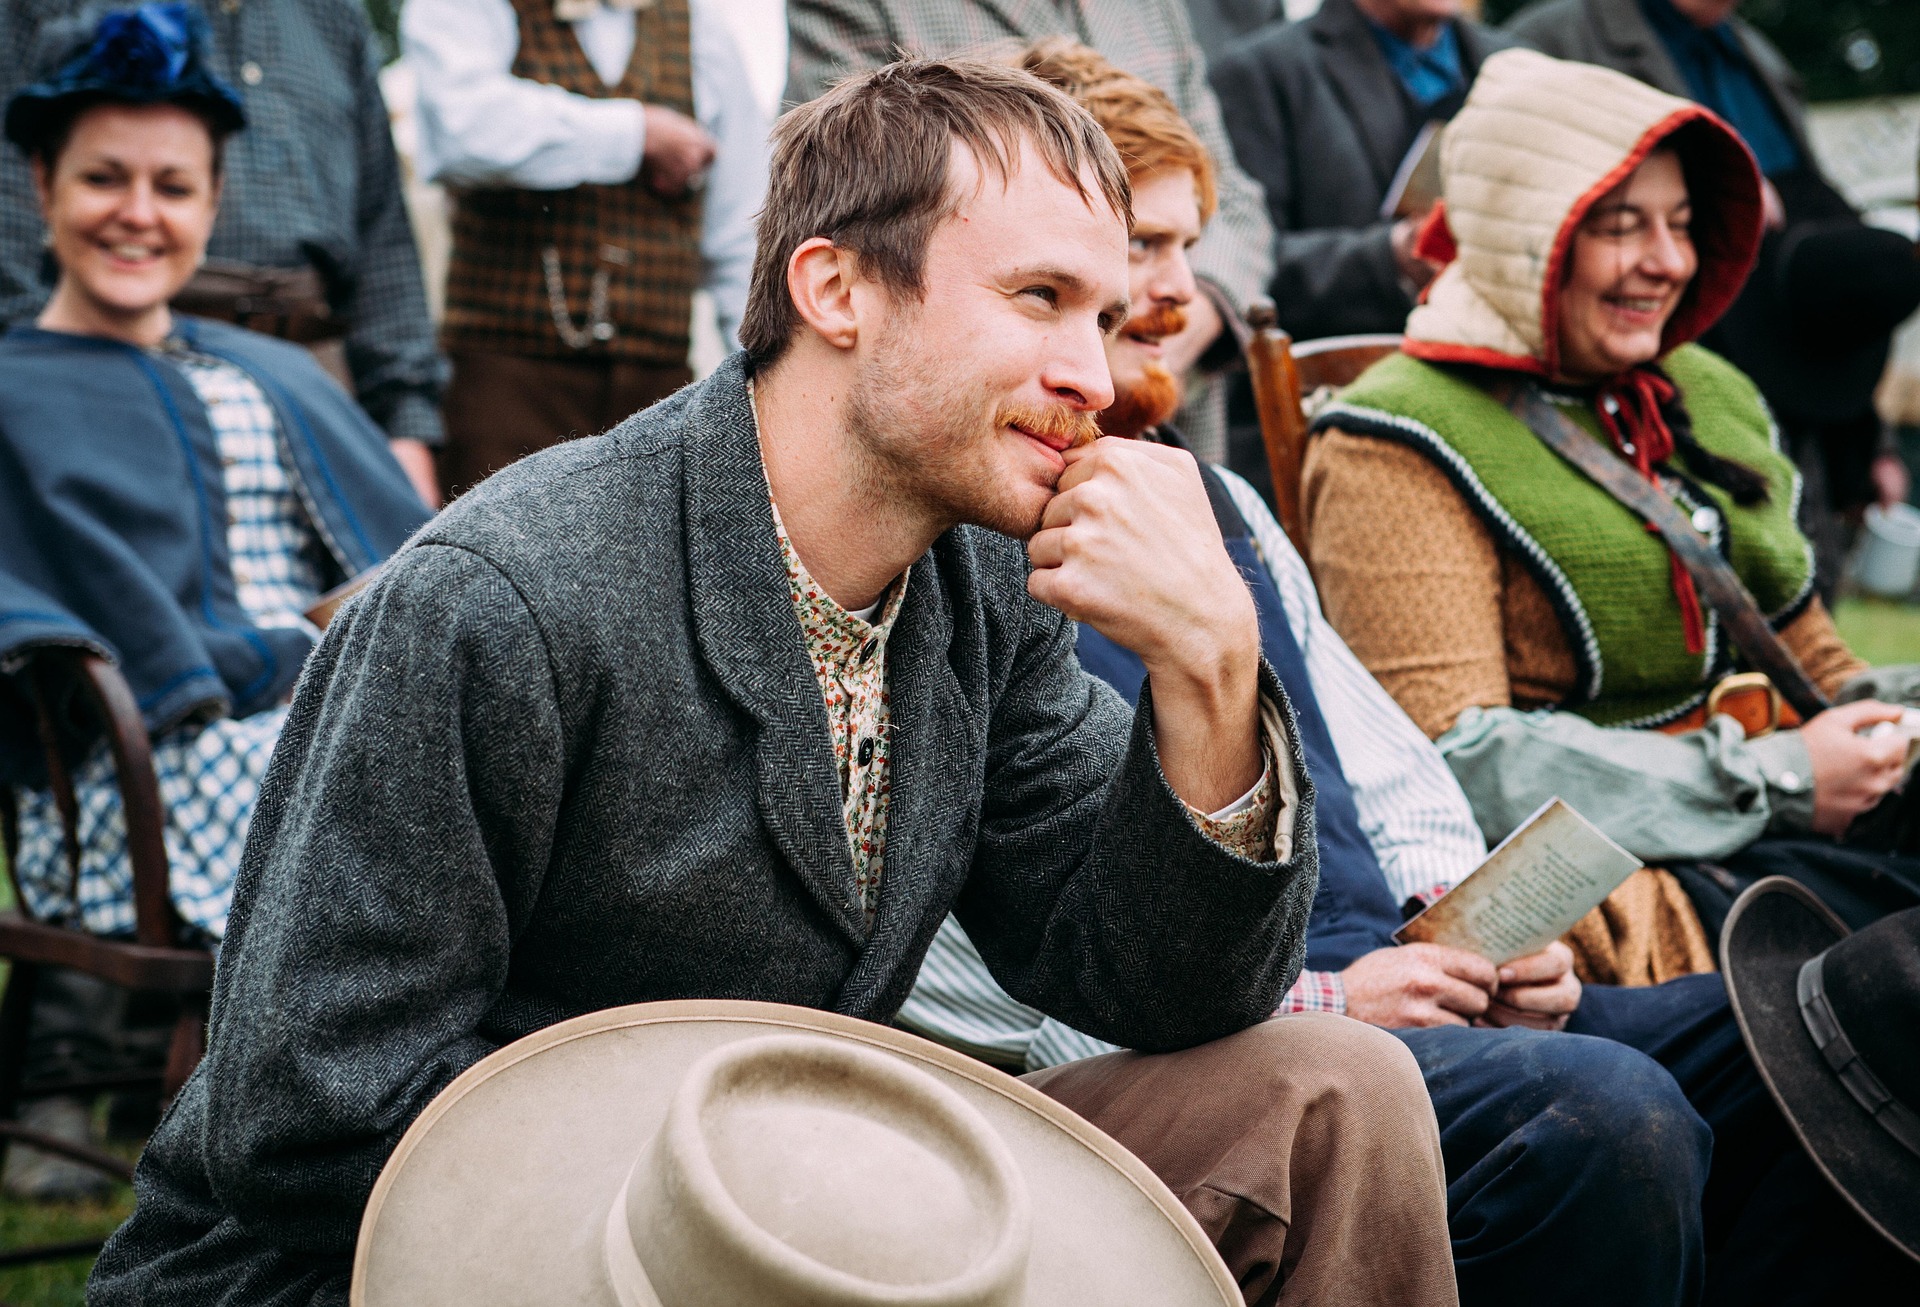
{"points": [[1607, 576]]}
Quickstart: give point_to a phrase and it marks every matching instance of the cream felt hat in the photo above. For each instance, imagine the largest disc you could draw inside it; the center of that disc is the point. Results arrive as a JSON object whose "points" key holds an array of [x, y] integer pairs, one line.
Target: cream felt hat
{"points": [[716, 1154]]}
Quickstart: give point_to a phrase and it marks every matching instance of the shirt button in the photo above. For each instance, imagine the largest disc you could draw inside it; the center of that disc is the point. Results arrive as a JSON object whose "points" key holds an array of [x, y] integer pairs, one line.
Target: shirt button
{"points": [[250, 73], [866, 650], [865, 752], [1704, 520], [1789, 781]]}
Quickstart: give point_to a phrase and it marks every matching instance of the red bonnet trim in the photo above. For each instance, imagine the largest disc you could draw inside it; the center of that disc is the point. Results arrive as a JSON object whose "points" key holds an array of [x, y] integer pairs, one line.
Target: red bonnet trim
{"points": [[1440, 351], [1717, 283], [1434, 241]]}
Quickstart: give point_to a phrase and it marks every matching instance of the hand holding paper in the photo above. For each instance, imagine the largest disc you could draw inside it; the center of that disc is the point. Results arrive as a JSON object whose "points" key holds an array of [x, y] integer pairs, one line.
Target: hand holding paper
{"points": [[1530, 891]]}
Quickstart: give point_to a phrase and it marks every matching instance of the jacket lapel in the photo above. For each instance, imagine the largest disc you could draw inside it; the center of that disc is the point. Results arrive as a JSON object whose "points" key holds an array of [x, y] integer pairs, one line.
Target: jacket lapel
{"points": [[746, 630], [1636, 48], [1365, 84]]}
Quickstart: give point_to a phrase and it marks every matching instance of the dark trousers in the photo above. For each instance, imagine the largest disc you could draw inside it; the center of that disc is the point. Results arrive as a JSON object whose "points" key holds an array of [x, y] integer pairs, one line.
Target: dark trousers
{"points": [[502, 407], [1637, 1158]]}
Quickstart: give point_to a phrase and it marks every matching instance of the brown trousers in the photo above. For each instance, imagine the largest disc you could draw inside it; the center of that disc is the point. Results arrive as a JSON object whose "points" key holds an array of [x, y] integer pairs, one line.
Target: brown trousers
{"points": [[1305, 1147], [501, 407]]}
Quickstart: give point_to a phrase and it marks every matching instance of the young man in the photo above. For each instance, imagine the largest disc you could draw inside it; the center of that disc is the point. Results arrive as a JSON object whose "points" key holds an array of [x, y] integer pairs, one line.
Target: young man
{"points": [[1153, 38], [1616, 1169], [742, 698]]}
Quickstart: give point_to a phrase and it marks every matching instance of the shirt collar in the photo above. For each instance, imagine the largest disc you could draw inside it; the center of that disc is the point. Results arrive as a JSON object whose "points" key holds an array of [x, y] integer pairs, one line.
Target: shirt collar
{"points": [[820, 614], [1428, 75]]}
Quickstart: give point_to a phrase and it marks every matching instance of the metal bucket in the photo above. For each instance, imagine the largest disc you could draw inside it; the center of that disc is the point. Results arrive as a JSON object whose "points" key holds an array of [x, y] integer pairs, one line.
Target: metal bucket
{"points": [[1888, 560]]}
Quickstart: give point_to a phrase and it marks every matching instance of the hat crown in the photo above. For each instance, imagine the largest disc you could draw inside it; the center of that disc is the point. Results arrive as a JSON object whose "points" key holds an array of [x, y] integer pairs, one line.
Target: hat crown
{"points": [[799, 1170], [1872, 983]]}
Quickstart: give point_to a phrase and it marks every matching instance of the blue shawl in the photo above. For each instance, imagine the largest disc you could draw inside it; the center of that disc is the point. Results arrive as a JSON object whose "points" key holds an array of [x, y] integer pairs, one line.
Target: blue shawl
{"points": [[113, 517]]}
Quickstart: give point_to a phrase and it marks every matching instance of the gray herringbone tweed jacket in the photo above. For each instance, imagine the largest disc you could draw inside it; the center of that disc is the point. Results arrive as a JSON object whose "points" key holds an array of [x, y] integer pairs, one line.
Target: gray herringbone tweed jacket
{"points": [[1153, 39], [568, 752]]}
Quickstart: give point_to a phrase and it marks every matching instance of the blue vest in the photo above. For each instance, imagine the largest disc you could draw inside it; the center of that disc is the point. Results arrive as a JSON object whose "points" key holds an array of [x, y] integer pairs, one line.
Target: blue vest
{"points": [[113, 517], [1353, 910]]}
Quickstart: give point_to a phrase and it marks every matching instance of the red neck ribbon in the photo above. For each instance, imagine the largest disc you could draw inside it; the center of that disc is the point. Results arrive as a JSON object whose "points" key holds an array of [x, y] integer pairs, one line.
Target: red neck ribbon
{"points": [[1629, 408]]}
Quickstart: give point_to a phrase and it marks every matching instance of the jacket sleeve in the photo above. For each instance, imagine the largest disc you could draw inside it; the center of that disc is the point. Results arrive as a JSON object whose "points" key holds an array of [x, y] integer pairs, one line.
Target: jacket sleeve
{"points": [[1235, 252], [1326, 281], [398, 373], [1093, 896], [398, 840]]}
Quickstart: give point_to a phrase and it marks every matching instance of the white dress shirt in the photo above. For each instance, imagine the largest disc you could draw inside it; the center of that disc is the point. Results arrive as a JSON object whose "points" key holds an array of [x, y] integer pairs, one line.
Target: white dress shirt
{"points": [[481, 126]]}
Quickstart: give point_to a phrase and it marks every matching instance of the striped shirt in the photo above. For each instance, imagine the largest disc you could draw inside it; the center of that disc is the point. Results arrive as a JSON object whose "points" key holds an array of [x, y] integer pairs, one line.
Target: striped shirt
{"points": [[1411, 809], [209, 774]]}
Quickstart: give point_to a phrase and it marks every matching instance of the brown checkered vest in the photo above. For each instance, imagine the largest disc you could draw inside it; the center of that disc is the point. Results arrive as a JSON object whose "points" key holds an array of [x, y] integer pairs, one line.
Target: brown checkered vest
{"points": [[617, 262]]}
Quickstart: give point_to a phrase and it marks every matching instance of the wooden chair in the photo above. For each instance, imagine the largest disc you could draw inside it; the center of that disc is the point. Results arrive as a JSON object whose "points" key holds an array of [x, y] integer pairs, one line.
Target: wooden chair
{"points": [[1284, 376], [66, 690]]}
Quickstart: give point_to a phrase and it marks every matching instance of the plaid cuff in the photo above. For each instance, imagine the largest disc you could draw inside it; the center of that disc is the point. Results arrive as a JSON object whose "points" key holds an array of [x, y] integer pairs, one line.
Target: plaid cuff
{"points": [[415, 417], [1315, 991]]}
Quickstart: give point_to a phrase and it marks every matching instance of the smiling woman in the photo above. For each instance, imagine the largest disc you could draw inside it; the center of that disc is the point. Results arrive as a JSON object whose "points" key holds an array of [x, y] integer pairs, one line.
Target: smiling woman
{"points": [[1592, 228], [179, 491]]}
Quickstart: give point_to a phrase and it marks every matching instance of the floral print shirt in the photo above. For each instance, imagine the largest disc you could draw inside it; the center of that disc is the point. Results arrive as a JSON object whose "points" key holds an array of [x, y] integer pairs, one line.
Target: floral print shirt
{"points": [[849, 657]]}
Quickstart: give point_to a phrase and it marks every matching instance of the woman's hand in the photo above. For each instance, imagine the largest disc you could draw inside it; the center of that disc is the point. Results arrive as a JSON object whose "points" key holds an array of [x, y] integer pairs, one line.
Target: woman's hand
{"points": [[1851, 771]]}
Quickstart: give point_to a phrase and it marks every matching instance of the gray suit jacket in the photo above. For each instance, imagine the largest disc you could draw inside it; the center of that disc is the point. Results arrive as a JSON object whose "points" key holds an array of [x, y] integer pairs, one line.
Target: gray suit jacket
{"points": [[1318, 118], [1615, 34], [1149, 38], [568, 753]]}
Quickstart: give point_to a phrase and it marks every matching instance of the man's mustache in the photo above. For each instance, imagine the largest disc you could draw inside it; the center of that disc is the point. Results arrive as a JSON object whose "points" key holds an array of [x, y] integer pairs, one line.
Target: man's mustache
{"points": [[1055, 424], [1157, 323]]}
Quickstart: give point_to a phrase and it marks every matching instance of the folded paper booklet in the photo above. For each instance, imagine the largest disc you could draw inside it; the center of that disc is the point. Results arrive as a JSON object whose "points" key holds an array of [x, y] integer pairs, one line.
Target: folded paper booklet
{"points": [[1530, 891], [1415, 187]]}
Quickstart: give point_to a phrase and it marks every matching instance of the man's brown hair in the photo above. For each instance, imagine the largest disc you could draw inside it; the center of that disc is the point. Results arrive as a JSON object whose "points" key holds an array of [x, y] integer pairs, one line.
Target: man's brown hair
{"points": [[867, 166], [1136, 115]]}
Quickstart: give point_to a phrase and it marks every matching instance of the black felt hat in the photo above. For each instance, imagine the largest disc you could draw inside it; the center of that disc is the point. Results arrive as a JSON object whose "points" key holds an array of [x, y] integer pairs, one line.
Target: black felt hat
{"points": [[155, 54], [1833, 1022]]}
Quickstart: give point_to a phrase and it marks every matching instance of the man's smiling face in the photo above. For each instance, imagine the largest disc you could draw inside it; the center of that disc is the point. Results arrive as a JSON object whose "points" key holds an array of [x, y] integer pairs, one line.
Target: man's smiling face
{"points": [[1166, 223], [967, 396]]}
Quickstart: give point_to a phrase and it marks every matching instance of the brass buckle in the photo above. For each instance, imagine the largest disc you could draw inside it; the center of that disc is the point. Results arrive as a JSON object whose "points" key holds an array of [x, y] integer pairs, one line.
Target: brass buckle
{"points": [[1745, 683]]}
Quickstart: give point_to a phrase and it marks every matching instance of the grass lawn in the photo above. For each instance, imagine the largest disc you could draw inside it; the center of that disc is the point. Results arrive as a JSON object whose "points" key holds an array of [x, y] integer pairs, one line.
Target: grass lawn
{"points": [[1880, 630]]}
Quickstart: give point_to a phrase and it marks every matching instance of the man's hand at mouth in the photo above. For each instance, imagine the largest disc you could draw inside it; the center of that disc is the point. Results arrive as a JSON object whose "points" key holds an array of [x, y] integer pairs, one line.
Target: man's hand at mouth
{"points": [[1129, 546]]}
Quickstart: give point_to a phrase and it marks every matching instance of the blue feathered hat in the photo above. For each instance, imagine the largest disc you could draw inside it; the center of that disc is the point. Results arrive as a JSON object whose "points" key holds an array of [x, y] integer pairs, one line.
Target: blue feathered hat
{"points": [[155, 54]]}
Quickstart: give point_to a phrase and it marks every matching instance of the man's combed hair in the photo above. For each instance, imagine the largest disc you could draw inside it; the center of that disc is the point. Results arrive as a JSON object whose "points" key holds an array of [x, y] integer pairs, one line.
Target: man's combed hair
{"points": [[1143, 124], [868, 164]]}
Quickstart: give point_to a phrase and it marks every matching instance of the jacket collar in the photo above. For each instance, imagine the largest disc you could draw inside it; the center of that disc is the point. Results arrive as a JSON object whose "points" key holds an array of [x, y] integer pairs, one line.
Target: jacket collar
{"points": [[750, 637]]}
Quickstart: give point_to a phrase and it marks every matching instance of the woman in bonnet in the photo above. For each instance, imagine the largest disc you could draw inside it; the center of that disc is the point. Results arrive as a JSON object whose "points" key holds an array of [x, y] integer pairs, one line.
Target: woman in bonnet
{"points": [[1525, 618], [176, 492]]}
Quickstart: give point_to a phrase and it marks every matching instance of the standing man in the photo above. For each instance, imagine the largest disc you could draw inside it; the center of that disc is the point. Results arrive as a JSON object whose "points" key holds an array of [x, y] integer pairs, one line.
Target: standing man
{"points": [[742, 698], [313, 242], [1814, 326], [604, 160], [1321, 113], [1149, 38]]}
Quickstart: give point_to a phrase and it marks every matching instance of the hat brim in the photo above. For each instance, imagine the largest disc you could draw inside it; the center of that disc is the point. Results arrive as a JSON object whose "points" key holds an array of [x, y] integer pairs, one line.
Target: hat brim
{"points": [[499, 1191], [1774, 927]]}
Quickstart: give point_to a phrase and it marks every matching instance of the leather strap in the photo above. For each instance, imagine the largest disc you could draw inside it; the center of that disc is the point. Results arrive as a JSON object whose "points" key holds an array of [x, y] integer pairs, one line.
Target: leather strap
{"points": [[1718, 584]]}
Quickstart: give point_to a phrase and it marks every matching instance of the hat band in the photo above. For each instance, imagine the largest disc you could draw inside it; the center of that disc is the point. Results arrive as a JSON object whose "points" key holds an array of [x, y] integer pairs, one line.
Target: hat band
{"points": [[1893, 1116]]}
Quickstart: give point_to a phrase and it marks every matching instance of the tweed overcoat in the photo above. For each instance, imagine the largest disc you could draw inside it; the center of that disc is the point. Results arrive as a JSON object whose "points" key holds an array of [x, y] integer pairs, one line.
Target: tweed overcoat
{"points": [[568, 752]]}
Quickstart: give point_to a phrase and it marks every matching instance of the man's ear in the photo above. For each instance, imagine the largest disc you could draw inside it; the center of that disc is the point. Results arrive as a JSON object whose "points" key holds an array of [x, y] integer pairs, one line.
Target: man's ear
{"points": [[820, 278]]}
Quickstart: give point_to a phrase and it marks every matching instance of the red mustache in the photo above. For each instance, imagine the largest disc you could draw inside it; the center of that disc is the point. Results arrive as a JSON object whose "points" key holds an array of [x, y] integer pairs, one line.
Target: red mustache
{"points": [[1157, 323], [1055, 424]]}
